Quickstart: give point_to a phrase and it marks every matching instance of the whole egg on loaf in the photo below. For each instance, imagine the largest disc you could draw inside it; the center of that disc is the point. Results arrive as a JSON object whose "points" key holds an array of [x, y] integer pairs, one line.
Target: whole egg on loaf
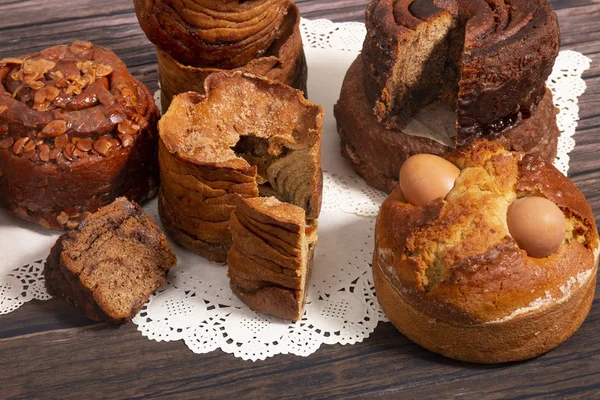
{"points": [[537, 224], [425, 177]]}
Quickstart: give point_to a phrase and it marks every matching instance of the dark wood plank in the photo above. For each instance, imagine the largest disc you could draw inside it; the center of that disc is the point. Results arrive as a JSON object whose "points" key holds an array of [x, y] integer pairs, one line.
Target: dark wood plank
{"points": [[50, 351]]}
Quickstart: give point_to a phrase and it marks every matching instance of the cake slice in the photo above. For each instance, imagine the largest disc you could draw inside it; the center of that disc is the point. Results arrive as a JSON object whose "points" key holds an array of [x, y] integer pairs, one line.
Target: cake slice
{"points": [[110, 264], [271, 256]]}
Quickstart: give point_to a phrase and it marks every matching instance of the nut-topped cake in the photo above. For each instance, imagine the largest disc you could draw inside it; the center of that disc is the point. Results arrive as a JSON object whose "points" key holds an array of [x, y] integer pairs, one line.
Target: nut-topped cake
{"points": [[76, 132]]}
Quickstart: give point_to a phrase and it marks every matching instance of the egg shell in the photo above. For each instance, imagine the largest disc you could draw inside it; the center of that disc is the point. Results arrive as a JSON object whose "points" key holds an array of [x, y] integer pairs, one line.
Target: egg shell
{"points": [[537, 225], [425, 177]]}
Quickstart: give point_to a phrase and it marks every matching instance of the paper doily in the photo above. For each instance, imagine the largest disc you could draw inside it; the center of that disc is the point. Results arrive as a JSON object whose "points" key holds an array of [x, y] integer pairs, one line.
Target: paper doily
{"points": [[197, 305]]}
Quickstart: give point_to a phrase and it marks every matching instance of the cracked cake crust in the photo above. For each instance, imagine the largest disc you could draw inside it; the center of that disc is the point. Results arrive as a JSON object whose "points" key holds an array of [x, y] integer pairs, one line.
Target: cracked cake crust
{"points": [[450, 271]]}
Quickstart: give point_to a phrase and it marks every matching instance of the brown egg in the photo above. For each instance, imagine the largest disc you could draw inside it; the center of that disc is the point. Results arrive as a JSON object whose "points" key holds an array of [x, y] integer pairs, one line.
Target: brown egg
{"points": [[537, 225], [425, 177]]}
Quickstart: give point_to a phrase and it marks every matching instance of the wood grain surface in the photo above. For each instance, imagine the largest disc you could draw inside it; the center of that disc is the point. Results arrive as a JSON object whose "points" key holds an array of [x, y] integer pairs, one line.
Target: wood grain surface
{"points": [[49, 351]]}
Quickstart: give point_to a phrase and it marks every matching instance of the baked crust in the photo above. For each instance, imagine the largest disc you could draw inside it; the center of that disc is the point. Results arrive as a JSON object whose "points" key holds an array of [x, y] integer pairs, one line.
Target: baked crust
{"points": [[246, 136], [225, 33], [496, 55], [283, 61], [377, 153], [110, 264], [271, 258], [452, 279], [78, 131]]}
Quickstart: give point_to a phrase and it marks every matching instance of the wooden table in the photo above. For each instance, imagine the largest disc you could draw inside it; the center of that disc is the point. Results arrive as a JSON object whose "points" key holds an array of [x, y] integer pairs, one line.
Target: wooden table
{"points": [[48, 351]]}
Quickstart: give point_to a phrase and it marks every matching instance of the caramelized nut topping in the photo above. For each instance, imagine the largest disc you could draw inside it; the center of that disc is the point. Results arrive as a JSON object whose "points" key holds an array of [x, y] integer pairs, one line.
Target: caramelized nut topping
{"points": [[44, 223], [44, 97], [126, 140], [85, 145], [54, 153], [68, 151], [61, 141], [55, 128], [102, 145], [8, 61], [128, 128], [6, 143], [79, 46], [62, 218], [2, 109], [32, 70], [44, 153], [36, 85], [72, 225], [19, 146], [3, 129], [30, 146]]}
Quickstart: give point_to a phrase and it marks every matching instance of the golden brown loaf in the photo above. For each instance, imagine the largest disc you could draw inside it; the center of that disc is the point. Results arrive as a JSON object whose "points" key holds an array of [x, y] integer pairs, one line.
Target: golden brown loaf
{"points": [[451, 278], [246, 136], [109, 266], [196, 38], [76, 132], [377, 153], [270, 261]]}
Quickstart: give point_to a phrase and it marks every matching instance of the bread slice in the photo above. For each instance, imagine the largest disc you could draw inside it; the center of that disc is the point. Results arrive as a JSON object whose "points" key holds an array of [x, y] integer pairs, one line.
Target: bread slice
{"points": [[110, 264], [271, 257]]}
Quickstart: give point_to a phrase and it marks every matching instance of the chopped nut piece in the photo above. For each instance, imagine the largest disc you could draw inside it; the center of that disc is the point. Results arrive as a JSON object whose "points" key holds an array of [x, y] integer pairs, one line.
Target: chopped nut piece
{"points": [[6, 143], [2, 109], [44, 223], [126, 140], [103, 70], [61, 141], [79, 46], [44, 153], [44, 97], [85, 145], [78, 153], [68, 151], [102, 145], [8, 61], [34, 69], [36, 85], [30, 146], [54, 153], [3, 129], [55, 128], [71, 225], [19, 146], [62, 218], [128, 128]]}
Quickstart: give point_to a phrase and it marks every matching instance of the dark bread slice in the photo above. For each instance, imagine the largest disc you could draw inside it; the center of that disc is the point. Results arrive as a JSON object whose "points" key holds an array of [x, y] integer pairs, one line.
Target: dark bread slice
{"points": [[111, 263]]}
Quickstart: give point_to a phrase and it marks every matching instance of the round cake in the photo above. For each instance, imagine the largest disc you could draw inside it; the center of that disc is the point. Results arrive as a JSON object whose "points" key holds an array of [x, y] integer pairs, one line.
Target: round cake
{"points": [[224, 33], [485, 62], [454, 276], [377, 153], [195, 38], [76, 132], [246, 136]]}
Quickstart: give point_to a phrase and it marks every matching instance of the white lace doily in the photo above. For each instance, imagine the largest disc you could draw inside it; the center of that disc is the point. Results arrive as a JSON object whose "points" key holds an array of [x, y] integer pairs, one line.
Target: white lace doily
{"points": [[199, 308]]}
